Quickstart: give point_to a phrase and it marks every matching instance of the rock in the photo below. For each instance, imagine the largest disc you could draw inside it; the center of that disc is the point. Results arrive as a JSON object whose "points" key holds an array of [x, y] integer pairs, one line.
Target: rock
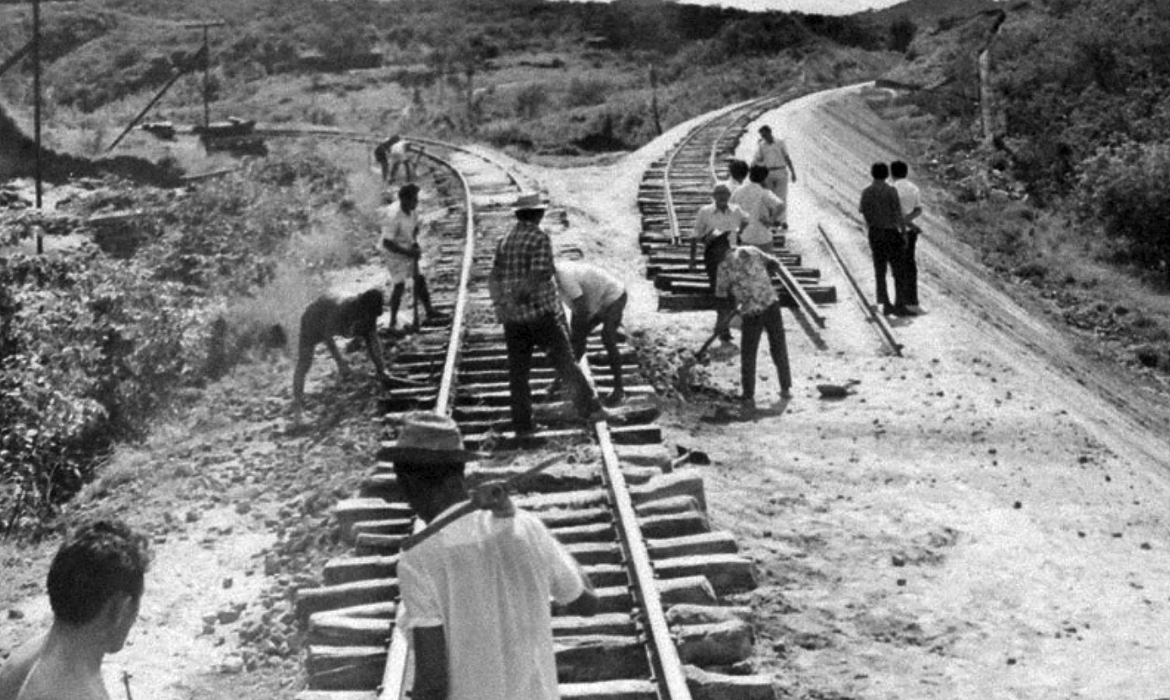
{"points": [[14, 614], [192, 516], [226, 617], [227, 583], [243, 507], [232, 665]]}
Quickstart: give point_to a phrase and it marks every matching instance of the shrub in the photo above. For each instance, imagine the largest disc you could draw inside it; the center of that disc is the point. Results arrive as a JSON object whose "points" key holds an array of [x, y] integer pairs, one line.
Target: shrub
{"points": [[584, 92], [1125, 188]]}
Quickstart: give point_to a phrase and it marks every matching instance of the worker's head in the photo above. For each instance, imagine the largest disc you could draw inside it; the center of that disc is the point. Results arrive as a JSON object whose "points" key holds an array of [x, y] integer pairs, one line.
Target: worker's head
{"points": [[879, 171], [96, 580], [721, 194], [529, 208], [408, 197], [899, 169], [428, 461], [766, 133], [738, 169], [758, 173]]}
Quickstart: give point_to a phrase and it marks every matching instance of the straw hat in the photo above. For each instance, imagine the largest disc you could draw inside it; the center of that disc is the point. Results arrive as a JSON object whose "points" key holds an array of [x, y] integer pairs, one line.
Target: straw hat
{"points": [[531, 201], [429, 438]]}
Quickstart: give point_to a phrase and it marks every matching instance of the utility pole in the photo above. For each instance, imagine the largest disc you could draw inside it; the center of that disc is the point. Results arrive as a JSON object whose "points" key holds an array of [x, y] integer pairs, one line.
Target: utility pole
{"points": [[206, 65], [36, 56]]}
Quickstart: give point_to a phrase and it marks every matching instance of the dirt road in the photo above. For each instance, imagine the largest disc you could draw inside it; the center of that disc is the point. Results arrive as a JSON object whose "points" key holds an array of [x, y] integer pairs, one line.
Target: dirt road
{"points": [[976, 521]]}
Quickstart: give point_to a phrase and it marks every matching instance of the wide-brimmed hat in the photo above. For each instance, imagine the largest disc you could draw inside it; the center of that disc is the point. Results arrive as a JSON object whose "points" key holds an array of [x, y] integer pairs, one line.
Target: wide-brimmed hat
{"points": [[531, 201], [429, 438]]}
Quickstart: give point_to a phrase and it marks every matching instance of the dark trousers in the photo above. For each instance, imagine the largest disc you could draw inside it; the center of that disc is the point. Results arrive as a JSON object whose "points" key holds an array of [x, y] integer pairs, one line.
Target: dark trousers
{"points": [[911, 265], [609, 319], [547, 332], [770, 321], [713, 254], [889, 252]]}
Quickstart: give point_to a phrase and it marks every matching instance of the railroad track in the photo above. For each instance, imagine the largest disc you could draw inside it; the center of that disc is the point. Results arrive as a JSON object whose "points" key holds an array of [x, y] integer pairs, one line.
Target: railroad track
{"points": [[672, 191], [636, 524]]}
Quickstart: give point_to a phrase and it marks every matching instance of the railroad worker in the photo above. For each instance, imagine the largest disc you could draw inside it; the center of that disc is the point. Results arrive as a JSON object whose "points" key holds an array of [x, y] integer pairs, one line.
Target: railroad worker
{"points": [[910, 197], [393, 153], [763, 207], [882, 211], [350, 313], [746, 274], [773, 155], [718, 226], [595, 298], [95, 586], [737, 173], [475, 595], [524, 294], [400, 231]]}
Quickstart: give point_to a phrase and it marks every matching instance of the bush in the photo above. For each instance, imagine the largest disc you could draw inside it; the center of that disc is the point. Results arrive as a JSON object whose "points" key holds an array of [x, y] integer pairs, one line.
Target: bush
{"points": [[1125, 188], [585, 92]]}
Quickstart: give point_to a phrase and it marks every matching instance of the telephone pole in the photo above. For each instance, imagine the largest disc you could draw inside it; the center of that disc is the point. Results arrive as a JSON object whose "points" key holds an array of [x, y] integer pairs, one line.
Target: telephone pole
{"points": [[36, 56], [206, 64]]}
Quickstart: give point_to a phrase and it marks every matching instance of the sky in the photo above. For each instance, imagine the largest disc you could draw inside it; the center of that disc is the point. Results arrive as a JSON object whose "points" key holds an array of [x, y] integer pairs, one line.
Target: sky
{"points": [[818, 7]]}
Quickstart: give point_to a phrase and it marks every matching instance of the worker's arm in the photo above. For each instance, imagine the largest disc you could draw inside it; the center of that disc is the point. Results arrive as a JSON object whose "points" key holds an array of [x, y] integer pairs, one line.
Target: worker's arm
{"points": [[587, 604], [431, 677]]}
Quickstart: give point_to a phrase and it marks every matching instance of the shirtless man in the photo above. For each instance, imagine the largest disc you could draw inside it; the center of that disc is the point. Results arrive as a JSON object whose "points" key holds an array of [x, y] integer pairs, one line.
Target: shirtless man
{"points": [[95, 586], [344, 313]]}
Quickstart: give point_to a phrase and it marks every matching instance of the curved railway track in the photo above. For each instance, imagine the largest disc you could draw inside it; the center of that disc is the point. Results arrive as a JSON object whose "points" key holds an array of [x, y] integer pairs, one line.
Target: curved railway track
{"points": [[672, 191], [612, 495]]}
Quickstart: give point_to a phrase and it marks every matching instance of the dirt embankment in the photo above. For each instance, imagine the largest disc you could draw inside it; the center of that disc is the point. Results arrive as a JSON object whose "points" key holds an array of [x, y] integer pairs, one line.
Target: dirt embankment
{"points": [[18, 154]]}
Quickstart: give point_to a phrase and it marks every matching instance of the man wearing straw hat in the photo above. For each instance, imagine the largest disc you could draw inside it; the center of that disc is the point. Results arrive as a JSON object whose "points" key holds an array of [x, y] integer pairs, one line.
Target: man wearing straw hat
{"points": [[524, 293], [475, 595]]}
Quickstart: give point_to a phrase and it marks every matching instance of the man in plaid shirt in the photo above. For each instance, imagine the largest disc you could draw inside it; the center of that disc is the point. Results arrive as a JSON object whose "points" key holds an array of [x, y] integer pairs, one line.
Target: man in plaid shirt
{"points": [[525, 296]]}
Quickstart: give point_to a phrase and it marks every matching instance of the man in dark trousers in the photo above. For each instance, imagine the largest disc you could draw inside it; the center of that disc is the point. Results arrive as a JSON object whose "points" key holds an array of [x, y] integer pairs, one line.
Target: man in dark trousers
{"points": [[910, 198], [525, 297], [475, 594], [883, 216]]}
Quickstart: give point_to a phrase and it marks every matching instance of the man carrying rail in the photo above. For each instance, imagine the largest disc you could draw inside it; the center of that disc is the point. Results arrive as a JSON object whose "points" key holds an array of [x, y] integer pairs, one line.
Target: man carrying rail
{"points": [[476, 594]]}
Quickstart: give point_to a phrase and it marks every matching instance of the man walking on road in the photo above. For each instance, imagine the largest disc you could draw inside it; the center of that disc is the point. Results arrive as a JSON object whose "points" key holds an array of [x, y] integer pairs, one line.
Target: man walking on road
{"points": [[773, 155], [475, 595], [745, 273], [525, 297], [400, 231], [911, 200], [718, 226], [883, 216]]}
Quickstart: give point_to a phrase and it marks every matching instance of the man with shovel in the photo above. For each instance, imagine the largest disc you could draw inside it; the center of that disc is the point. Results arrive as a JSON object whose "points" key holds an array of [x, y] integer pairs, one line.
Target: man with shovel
{"points": [[746, 273], [400, 229]]}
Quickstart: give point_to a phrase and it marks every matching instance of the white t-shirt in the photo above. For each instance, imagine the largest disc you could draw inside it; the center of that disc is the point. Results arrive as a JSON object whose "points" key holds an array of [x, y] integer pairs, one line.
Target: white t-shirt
{"points": [[763, 208], [599, 288], [487, 581], [771, 155], [909, 195], [710, 219], [398, 227], [398, 151]]}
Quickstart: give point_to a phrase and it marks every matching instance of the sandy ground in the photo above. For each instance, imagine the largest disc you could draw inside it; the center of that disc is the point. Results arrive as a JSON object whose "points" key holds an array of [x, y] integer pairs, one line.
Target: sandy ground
{"points": [[971, 523]]}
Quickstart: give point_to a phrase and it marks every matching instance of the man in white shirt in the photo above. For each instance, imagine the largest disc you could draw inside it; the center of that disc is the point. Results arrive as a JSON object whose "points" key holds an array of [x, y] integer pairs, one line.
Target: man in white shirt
{"points": [[595, 298], [773, 155], [475, 595], [763, 207], [400, 229], [718, 226], [911, 199]]}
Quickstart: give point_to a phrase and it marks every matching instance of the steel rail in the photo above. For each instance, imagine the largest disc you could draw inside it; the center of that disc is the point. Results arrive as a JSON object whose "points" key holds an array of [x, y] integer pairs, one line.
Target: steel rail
{"points": [[806, 304], [884, 329]]}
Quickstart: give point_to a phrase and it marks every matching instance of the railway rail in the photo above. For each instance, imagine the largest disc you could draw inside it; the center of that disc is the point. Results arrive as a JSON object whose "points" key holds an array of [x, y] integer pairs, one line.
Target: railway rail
{"points": [[672, 191], [636, 524]]}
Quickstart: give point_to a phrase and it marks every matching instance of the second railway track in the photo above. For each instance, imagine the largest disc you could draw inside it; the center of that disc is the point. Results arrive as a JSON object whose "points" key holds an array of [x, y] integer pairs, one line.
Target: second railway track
{"points": [[638, 526]]}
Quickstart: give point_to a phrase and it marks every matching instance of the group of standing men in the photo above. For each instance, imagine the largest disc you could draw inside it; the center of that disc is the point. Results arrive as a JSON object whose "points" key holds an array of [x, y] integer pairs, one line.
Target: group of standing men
{"points": [[889, 210], [735, 231]]}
